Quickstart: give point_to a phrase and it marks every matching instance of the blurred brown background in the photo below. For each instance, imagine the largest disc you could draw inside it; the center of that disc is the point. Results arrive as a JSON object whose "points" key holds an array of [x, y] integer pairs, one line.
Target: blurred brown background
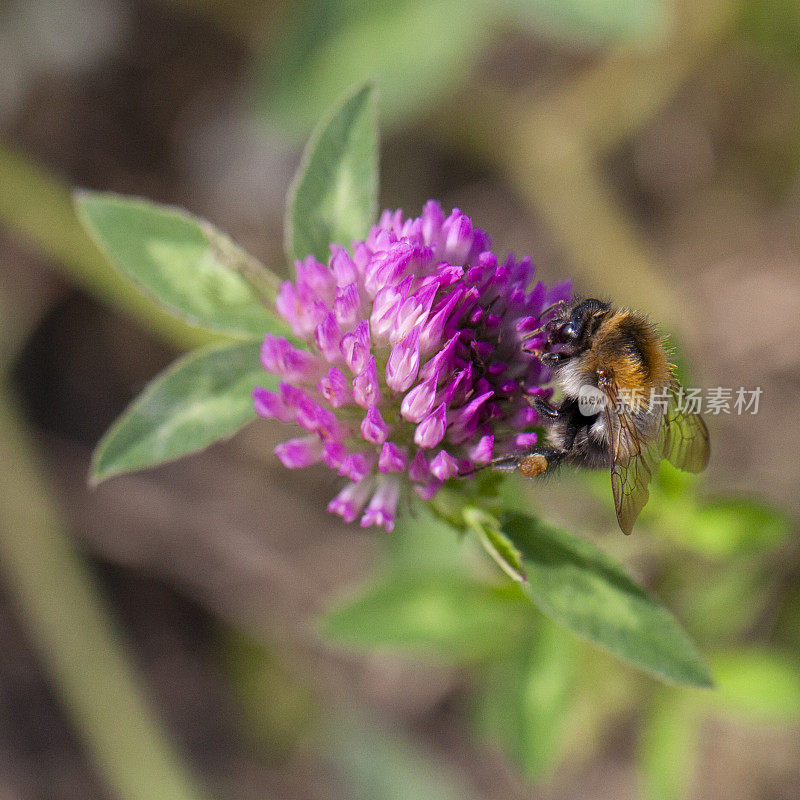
{"points": [[660, 172]]}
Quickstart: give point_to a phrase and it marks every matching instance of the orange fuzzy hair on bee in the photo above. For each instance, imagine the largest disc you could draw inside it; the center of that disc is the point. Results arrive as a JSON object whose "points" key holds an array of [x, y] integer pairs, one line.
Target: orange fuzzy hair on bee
{"points": [[628, 347]]}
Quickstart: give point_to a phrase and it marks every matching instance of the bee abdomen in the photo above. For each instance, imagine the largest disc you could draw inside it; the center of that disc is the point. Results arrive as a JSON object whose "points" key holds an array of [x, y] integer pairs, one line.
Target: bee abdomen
{"points": [[629, 347]]}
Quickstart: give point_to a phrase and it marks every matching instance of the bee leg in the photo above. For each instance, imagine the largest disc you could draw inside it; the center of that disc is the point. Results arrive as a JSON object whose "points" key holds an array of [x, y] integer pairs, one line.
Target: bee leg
{"points": [[539, 461], [551, 360], [530, 464], [542, 407]]}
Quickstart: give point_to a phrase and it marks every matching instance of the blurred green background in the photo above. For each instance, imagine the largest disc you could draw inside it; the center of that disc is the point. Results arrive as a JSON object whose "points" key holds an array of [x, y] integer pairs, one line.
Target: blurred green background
{"points": [[163, 635]]}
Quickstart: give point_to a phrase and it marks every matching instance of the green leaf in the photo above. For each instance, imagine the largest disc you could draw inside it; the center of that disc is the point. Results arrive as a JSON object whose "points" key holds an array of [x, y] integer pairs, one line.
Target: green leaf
{"points": [[418, 53], [720, 528], [415, 52], [723, 608], [202, 397], [183, 262], [528, 696], [449, 618], [596, 20], [577, 584], [668, 748], [495, 542], [730, 527], [758, 684], [334, 196]]}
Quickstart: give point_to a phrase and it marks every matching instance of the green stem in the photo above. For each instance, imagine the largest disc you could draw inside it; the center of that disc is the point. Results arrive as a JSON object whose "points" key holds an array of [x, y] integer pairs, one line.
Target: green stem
{"points": [[38, 208], [59, 603]]}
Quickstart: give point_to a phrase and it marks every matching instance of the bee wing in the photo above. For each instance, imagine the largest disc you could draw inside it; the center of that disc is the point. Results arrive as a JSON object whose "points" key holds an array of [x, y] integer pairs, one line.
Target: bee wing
{"points": [[634, 461], [683, 438]]}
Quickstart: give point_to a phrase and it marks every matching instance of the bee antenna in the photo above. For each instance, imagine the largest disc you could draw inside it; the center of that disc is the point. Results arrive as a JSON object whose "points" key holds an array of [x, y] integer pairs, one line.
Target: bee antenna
{"points": [[542, 314], [533, 334], [557, 304]]}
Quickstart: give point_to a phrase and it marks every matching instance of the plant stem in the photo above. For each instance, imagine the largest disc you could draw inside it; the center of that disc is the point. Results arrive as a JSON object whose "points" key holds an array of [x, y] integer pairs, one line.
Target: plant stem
{"points": [[76, 639]]}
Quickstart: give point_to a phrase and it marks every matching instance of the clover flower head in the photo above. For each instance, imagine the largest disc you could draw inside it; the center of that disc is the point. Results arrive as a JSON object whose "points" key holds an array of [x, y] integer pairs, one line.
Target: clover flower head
{"points": [[417, 367]]}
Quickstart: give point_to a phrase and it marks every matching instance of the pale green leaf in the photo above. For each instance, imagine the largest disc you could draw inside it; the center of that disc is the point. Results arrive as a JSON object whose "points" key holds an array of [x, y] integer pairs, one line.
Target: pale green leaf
{"points": [[729, 527], [204, 396], [450, 618], [758, 684], [526, 703], [637, 21], [578, 585], [181, 261], [414, 51], [419, 53], [334, 196], [668, 748]]}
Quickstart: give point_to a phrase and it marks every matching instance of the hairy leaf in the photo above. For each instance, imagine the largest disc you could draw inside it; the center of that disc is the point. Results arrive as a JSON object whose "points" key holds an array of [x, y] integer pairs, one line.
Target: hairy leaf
{"points": [[334, 196], [578, 585], [183, 262], [202, 397]]}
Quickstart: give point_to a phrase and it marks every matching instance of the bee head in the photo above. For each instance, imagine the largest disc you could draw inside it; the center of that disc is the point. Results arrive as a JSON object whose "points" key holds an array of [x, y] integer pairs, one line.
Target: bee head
{"points": [[571, 330]]}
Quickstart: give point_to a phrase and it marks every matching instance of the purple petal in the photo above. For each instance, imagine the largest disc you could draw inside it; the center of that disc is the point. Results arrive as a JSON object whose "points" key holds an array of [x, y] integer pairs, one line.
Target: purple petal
{"points": [[432, 220], [291, 364], [418, 403], [419, 471], [431, 334], [430, 431], [366, 389], [335, 388], [463, 415], [317, 277], [343, 268], [427, 490], [350, 501], [297, 453], [373, 428], [444, 466], [270, 405], [442, 362], [316, 419], [524, 418], [388, 269], [347, 305], [355, 347], [413, 311], [392, 458], [328, 336], [383, 505], [334, 454], [481, 453], [458, 230], [403, 364], [357, 466], [385, 308]]}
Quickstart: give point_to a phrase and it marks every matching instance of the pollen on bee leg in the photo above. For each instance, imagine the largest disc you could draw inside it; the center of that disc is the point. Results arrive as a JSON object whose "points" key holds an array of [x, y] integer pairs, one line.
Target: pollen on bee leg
{"points": [[533, 465]]}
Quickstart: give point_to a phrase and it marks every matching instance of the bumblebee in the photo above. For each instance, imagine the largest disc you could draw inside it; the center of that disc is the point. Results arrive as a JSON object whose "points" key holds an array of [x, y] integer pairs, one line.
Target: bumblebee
{"points": [[620, 408]]}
